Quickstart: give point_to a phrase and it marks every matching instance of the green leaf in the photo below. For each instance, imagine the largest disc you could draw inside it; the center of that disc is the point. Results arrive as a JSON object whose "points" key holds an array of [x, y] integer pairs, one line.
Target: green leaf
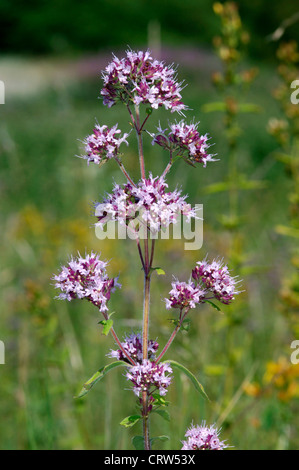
{"points": [[159, 270], [176, 157], [107, 325], [191, 376], [160, 400], [159, 438], [98, 376], [130, 420], [163, 413], [185, 326], [138, 442], [213, 305]]}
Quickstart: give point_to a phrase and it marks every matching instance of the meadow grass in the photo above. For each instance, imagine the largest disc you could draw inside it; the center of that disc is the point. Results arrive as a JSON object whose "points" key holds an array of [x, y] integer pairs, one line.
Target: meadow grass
{"points": [[53, 347]]}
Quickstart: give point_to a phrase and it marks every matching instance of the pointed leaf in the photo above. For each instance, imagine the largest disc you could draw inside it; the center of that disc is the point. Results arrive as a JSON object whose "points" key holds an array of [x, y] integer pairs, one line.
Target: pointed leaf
{"points": [[213, 305], [138, 442], [191, 376], [107, 325], [98, 376], [130, 420], [159, 438], [159, 270], [160, 400], [163, 413]]}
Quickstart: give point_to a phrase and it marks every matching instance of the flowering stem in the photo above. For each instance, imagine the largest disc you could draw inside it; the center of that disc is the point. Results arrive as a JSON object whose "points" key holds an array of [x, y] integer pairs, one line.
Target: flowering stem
{"points": [[152, 252], [132, 117], [119, 343], [173, 335], [121, 347], [146, 435], [140, 145], [146, 305], [143, 124], [124, 171], [166, 170], [169, 165], [146, 311], [140, 253]]}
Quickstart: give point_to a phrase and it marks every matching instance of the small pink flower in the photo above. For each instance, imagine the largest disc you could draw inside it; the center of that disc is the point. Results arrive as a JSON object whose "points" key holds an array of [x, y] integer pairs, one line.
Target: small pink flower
{"points": [[150, 377], [138, 78], [149, 199], [203, 438], [185, 294], [86, 278], [216, 278], [184, 139], [133, 346], [103, 144]]}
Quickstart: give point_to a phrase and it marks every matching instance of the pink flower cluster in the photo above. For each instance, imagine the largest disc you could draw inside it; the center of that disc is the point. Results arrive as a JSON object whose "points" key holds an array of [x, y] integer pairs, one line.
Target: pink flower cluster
{"points": [[203, 438], [185, 295], [216, 278], [210, 281], [155, 207], [150, 377], [137, 78], [133, 346], [86, 278], [103, 144], [186, 141]]}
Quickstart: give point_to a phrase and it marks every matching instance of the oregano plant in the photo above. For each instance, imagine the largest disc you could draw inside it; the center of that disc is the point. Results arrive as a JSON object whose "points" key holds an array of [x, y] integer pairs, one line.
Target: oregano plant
{"points": [[144, 208]]}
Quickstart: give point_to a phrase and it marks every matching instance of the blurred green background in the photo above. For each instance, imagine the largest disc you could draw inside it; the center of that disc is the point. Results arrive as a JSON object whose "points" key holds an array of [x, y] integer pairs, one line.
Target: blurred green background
{"points": [[52, 55]]}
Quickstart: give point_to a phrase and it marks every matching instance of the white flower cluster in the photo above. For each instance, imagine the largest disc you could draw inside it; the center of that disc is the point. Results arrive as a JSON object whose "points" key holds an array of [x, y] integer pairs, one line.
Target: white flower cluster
{"points": [[86, 278], [216, 278], [185, 140], [137, 78], [103, 144], [185, 294], [149, 200], [150, 377], [203, 438], [133, 347]]}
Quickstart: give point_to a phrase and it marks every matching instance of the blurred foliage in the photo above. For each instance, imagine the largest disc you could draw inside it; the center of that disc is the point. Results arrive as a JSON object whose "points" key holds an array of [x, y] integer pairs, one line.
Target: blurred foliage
{"points": [[65, 26], [46, 193], [286, 133], [280, 381]]}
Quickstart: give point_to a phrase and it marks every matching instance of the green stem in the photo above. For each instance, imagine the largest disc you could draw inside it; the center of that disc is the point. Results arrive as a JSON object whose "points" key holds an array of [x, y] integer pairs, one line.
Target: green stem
{"points": [[173, 335], [124, 171], [146, 305], [140, 144], [119, 343], [146, 435]]}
